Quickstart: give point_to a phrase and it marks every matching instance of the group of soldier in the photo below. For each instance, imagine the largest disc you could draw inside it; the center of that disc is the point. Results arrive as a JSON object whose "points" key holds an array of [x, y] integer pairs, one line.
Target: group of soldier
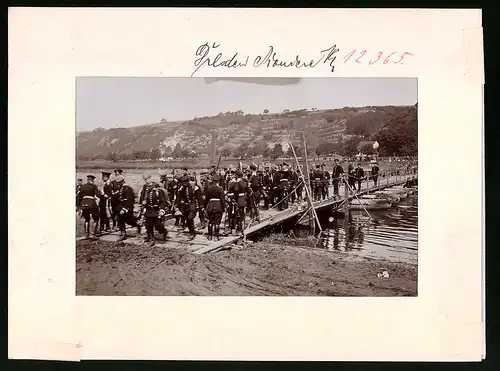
{"points": [[232, 193]]}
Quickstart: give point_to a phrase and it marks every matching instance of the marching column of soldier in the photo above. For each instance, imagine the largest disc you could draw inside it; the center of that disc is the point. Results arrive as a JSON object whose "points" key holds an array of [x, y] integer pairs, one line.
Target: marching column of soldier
{"points": [[220, 197]]}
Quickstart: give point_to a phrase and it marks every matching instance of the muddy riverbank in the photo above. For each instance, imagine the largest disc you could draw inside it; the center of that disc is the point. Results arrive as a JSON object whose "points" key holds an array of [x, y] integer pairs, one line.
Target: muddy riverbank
{"points": [[254, 269]]}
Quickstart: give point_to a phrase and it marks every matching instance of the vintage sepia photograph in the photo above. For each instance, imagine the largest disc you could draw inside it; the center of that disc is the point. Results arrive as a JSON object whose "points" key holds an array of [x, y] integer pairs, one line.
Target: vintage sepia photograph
{"points": [[246, 187]]}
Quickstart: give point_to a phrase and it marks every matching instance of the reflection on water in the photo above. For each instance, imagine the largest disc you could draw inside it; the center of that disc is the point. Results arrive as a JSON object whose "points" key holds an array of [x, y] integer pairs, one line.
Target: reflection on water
{"points": [[391, 234]]}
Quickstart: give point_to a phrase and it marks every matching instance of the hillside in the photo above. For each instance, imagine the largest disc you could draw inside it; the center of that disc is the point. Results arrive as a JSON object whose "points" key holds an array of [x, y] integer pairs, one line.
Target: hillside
{"points": [[257, 132]]}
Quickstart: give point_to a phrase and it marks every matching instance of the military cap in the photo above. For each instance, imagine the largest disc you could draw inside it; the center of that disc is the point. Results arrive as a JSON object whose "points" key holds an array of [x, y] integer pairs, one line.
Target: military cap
{"points": [[317, 166], [213, 166], [215, 178], [253, 167], [90, 177], [238, 173], [119, 171], [146, 176], [105, 173], [184, 178], [184, 169]]}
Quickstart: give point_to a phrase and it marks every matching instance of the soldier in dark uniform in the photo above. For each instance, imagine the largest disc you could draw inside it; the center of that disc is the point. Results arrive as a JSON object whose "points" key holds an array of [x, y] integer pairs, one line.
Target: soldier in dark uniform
{"points": [[275, 186], [255, 193], [240, 188], [325, 194], [186, 203], [375, 171], [172, 188], [359, 175], [318, 183], [216, 205], [300, 186], [294, 182], [337, 172], [351, 175], [199, 195], [79, 183], [86, 201], [284, 187], [125, 208], [154, 210], [115, 199], [104, 203], [145, 188], [266, 187], [231, 203]]}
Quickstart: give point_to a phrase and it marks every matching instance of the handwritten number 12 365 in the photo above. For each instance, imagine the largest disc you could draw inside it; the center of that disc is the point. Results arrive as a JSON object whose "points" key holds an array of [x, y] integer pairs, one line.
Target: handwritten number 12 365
{"points": [[380, 57]]}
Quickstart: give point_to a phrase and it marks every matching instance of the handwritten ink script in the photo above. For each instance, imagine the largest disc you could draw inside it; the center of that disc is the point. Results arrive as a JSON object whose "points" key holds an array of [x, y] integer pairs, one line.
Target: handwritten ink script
{"points": [[208, 55]]}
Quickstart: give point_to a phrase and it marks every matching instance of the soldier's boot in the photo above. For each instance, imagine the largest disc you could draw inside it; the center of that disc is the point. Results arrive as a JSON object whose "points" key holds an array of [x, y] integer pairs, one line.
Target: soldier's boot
{"points": [[163, 234], [257, 217], [210, 230], [139, 230], [122, 236], [192, 232], [95, 231], [217, 232], [86, 226], [151, 237], [148, 237]]}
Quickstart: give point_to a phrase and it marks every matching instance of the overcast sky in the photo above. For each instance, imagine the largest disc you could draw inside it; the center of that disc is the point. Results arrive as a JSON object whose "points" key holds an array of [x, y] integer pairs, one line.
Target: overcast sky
{"points": [[124, 102]]}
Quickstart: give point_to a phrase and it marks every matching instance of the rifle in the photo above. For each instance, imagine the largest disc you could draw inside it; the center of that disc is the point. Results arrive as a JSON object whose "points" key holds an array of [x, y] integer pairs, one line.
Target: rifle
{"points": [[218, 163]]}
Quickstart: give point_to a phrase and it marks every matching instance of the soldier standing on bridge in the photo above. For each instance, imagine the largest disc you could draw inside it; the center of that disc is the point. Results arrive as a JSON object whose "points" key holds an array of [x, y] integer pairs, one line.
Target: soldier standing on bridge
{"points": [[115, 199], [200, 200], [104, 203], [351, 180], [326, 183], [86, 203], [375, 171], [359, 175], [186, 202], [255, 188], [125, 208], [266, 187], [337, 173], [215, 206], [239, 188], [284, 187], [154, 210], [318, 183]]}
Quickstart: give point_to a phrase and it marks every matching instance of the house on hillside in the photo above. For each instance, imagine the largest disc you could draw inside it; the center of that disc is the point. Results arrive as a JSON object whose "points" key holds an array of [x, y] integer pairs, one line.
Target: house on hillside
{"points": [[366, 144], [367, 149]]}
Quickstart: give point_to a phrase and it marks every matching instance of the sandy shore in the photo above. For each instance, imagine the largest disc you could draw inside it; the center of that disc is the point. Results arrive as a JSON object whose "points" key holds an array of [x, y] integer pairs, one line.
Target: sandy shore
{"points": [[256, 269]]}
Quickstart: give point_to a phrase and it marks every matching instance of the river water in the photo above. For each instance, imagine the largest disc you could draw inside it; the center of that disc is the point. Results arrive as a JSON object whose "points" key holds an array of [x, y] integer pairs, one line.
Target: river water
{"points": [[390, 234]]}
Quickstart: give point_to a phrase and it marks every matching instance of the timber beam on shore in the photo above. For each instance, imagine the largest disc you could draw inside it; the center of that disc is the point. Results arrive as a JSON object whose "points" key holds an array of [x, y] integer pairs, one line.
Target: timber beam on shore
{"points": [[268, 219]]}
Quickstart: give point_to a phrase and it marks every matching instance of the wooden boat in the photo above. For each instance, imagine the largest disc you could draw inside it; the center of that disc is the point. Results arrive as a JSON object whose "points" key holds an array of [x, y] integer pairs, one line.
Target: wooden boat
{"points": [[400, 192], [370, 202], [393, 197]]}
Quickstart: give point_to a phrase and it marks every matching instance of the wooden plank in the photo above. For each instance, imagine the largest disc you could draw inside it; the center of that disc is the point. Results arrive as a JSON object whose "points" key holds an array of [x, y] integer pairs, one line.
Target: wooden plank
{"points": [[217, 244]]}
